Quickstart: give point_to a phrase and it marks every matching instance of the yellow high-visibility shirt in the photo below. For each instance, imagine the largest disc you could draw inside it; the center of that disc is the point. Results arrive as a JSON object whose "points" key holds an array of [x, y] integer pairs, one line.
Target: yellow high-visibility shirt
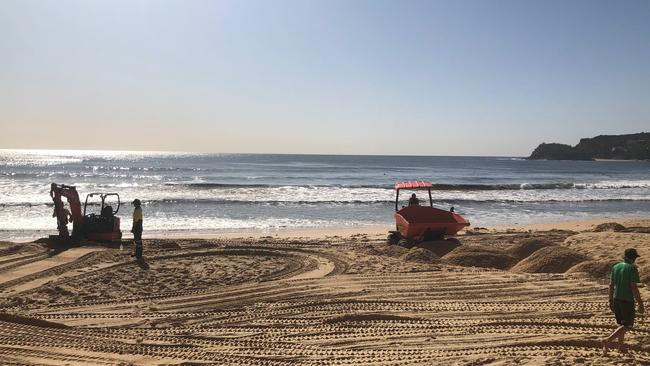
{"points": [[137, 215]]}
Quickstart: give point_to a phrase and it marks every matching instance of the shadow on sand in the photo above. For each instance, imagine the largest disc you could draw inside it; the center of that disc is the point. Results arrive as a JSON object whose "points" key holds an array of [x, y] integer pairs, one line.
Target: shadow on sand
{"points": [[142, 263], [56, 245]]}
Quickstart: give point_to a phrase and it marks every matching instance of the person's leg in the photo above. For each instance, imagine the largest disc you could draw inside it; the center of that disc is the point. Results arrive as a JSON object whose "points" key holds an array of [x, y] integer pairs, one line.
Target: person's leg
{"points": [[140, 243], [618, 333], [621, 340], [628, 320], [137, 238], [624, 311]]}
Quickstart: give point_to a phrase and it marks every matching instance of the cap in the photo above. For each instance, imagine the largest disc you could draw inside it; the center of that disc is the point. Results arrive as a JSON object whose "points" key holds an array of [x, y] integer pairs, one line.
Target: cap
{"points": [[631, 253], [136, 202]]}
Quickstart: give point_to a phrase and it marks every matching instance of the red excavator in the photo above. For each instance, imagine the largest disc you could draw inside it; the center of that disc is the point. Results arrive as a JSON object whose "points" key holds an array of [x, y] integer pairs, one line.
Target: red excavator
{"points": [[104, 226]]}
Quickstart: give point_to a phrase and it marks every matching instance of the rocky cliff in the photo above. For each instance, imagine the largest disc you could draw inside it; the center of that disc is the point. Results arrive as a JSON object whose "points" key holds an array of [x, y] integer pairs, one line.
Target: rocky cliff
{"points": [[624, 147]]}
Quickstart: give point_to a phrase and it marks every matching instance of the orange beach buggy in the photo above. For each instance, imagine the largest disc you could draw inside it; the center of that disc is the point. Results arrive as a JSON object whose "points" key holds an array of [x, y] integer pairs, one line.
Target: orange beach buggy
{"points": [[417, 223]]}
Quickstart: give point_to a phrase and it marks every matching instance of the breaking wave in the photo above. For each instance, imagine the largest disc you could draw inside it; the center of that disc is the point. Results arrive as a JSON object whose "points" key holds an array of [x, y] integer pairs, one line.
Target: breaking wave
{"points": [[272, 202], [435, 186]]}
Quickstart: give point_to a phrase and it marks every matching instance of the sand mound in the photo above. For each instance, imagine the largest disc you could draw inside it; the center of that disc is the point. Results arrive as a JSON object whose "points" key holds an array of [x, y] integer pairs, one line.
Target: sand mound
{"points": [[639, 229], [645, 277], [12, 318], [21, 300], [609, 226], [420, 255], [595, 269], [553, 259], [169, 245], [394, 250], [385, 250], [477, 231], [12, 248], [525, 248], [372, 250], [439, 247], [480, 256], [209, 245], [60, 290]]}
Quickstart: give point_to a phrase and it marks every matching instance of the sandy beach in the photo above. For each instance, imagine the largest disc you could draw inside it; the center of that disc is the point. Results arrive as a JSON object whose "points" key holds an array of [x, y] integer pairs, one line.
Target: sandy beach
{"points": [[324, 182], [533, 295]]}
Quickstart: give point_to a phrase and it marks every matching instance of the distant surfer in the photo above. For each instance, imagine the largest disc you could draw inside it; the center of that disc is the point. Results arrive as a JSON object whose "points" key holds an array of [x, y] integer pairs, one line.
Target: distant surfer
{"points": [[414, 201], [623, 291], [136, 229]]}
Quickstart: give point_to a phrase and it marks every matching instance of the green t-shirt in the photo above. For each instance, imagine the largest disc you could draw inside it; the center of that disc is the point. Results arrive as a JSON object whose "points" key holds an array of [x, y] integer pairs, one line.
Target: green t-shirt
{"points": [[624, 274]]}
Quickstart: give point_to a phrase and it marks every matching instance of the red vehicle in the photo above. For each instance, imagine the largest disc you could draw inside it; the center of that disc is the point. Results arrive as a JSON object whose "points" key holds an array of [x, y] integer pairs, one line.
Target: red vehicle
{"points": [[417, 223], [104, 226]]}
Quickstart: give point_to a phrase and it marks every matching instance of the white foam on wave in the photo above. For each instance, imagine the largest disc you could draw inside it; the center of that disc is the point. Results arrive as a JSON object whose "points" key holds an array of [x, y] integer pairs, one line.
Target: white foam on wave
{"points": [[618, 184], [222, 223], [39, 219], [15, 193]]}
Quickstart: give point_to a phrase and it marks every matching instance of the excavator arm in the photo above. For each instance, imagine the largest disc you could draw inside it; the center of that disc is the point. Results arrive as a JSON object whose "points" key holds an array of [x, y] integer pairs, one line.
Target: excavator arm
{"points": [[62, 214]]}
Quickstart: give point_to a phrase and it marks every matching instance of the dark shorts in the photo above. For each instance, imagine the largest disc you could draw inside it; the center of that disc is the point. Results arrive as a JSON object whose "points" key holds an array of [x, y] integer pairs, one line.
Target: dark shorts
{"points": [[624, 311]]}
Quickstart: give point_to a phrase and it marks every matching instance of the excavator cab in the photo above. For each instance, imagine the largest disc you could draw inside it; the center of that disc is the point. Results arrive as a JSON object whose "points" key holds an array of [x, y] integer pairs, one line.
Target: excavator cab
{"points": [[104, 225]]}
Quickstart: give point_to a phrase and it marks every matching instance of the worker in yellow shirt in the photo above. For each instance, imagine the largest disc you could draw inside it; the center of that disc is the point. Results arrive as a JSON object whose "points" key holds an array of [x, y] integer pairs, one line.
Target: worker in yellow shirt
{"points": [[137, 228]]}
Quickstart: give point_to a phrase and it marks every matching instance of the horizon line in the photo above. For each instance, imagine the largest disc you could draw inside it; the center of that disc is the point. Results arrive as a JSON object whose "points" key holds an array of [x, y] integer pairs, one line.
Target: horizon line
{"points": [[100, 151]]}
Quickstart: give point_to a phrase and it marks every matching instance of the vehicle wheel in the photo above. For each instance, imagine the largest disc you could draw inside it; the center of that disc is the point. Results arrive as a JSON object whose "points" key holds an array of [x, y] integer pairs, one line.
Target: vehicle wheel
{"points": [[406, 243], [394, 238]]}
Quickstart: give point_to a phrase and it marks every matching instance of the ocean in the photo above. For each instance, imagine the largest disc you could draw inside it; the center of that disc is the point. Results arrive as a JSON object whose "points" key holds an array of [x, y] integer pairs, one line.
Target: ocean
{"points": [[212, 193]]}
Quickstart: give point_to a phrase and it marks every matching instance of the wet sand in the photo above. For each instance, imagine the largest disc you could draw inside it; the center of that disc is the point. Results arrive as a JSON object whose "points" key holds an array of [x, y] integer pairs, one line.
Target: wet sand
{"points": [[511, 295]]}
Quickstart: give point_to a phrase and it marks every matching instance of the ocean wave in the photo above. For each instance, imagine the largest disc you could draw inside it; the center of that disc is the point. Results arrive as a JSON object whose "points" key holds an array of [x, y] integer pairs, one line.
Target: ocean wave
{"points": [[152, 181], [209, 185], [434, 187], [47, 204], [622, 184], [380, 201], [238, 202], [26, 204]]}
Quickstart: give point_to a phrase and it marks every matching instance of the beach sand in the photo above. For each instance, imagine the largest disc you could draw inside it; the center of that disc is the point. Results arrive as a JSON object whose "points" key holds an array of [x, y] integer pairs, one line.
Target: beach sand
{"points": [[514, 295]]}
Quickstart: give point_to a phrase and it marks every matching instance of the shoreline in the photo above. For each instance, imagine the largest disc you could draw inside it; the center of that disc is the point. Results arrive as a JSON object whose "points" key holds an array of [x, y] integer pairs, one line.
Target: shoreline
{"points": [[382, 230], [573, 225], [373, 231], [310, 233]]}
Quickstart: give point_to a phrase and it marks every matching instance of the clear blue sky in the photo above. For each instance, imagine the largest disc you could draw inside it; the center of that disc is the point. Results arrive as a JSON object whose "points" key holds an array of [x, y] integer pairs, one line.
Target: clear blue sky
{"points": [[492, 77]]}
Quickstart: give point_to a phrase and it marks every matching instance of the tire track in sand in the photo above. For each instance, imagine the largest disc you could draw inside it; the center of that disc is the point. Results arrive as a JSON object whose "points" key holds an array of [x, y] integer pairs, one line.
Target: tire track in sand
{"points": [[311, 311]]}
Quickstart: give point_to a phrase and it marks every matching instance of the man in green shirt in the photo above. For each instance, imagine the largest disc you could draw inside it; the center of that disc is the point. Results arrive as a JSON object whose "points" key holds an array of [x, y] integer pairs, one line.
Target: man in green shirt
{"points": [[622, 294]]}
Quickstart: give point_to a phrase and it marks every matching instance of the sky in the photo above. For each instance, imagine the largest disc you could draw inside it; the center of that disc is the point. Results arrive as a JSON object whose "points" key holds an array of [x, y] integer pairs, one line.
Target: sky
{"points": [[458, 77]]}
